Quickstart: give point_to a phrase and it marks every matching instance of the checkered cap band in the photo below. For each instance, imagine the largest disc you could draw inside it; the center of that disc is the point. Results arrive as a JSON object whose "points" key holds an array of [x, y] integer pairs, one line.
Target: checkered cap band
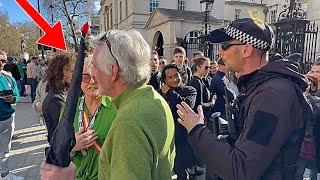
{"points": [[246, 38]]}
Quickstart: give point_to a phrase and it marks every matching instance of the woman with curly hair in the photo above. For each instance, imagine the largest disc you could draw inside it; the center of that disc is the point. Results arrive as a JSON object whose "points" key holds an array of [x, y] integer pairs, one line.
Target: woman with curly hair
{"points": [[58, 78]]}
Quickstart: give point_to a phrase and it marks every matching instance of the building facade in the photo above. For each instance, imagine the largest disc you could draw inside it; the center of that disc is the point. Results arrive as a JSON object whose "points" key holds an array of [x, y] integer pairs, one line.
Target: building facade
{"points": [[141, 15], [95, 24], [165, 29]]}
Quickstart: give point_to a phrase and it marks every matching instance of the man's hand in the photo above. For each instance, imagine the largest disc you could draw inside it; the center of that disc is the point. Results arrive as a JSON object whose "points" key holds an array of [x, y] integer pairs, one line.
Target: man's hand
{"points": [[85, 140], [188, 118], [165, 88], [52, 172], [9, 99]]}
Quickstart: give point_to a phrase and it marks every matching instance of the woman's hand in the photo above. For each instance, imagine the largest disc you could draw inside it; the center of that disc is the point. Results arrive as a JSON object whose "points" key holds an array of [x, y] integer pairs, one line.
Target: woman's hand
{"points": [[38, 107], [84, 140]]}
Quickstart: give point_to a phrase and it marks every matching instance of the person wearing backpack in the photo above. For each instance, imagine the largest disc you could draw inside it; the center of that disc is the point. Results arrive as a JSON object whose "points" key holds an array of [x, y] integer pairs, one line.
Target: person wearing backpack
{"points": [[9, 95], [309, 150]]}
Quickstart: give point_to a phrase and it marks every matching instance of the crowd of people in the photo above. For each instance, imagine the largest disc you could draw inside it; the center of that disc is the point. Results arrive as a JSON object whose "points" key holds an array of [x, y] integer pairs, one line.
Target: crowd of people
{"points": [[141, 117], [18, 77]]}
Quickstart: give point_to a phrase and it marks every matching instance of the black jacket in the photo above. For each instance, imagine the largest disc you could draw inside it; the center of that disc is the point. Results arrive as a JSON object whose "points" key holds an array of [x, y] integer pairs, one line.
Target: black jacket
{"points": [[203, 96], [273, 129], [52, 105], [13, 68], [185, 156], [314, 129], [155, 80]]}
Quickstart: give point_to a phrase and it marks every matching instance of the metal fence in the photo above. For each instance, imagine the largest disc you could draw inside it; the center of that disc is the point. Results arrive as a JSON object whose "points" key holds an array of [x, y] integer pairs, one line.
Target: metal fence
{"points": [[210, 50]]}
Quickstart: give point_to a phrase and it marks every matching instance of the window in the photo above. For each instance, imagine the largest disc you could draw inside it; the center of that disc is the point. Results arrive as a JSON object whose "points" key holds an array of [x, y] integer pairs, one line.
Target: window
{"points": [[273, 16], [192, 37], [237, 14], [127, 8], [181, 5], [120, 10], [153, 4]]}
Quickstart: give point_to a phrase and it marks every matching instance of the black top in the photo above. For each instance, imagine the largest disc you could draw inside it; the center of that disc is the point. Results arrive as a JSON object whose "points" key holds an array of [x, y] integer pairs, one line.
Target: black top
{"points": [[13, 68], [52, 105], [185, 156], [155, 80], [203, 95], [174, 97]]}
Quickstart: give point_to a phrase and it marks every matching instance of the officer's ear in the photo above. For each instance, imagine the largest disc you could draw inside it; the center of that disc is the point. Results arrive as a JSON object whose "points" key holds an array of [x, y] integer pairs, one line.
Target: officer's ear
{"points": [[247, 50]]}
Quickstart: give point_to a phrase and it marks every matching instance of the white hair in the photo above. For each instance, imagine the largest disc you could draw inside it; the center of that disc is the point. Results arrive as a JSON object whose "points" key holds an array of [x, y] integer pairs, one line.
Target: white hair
{"points": [[131, 52]]}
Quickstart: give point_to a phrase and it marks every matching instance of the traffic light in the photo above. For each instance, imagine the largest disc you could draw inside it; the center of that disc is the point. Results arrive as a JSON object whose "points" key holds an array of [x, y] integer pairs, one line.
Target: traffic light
{"points": [[43, 47]]}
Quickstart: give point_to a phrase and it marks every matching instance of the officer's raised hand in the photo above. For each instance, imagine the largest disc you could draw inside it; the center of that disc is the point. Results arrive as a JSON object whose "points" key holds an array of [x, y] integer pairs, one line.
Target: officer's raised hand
{"points": [[188, 118]]}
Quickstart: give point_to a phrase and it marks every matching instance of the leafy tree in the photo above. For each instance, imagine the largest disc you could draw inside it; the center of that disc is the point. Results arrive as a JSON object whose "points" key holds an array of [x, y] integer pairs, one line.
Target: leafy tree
{"points": [[72, 13], [9, 35]]}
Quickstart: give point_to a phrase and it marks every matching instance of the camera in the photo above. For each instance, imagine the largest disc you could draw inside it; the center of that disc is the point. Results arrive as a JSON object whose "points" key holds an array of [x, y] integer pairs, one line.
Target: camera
{"points": [[6, 93]]}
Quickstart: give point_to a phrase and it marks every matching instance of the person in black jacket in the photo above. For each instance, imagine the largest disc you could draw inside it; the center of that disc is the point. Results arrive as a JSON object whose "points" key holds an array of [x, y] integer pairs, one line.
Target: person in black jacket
{"points": [[174, 93], [271, 111], [308, 159], [155, 73], [58, 79], [200, 69]]}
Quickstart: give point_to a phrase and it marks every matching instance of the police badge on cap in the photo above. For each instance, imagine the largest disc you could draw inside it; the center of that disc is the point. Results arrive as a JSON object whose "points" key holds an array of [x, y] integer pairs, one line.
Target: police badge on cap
{"points": [[248, 30]]}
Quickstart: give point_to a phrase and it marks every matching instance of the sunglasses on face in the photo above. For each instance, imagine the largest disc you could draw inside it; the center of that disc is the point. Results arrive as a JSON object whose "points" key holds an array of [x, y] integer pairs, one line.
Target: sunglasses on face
{"points": [[225, 46], [105, 38], [86, 78], [3, 61]]}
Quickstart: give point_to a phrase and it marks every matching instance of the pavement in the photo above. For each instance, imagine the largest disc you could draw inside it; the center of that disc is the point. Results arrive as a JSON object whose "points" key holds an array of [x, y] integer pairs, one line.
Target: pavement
{"points": [[27, 150]]}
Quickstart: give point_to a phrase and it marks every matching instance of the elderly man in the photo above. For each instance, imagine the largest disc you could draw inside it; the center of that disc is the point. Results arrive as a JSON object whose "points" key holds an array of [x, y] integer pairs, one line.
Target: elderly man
{"points": [[271, 110], [140, 143]]}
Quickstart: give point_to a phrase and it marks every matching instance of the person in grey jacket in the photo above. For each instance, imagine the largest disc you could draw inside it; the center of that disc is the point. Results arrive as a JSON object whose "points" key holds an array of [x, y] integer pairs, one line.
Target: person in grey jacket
{"points": [[272, 111]]}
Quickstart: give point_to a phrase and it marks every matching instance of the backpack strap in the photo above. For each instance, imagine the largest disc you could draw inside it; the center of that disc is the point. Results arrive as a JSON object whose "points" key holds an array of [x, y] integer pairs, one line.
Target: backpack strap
{"points": [[9, 79]]}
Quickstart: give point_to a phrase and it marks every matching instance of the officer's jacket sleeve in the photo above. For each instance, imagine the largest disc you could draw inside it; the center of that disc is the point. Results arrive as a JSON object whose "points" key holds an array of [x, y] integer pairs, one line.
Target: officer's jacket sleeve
{"points": [[273, 114]]}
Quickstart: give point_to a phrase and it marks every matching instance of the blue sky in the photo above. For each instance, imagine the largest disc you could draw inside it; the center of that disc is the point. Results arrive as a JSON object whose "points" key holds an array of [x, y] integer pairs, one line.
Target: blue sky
{"points": [[16, 14]]}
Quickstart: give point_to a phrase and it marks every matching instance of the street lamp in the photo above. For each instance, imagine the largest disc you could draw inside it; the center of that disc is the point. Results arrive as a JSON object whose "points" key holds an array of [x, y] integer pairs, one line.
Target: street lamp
{"points": [[51, 7], [206, 7]]}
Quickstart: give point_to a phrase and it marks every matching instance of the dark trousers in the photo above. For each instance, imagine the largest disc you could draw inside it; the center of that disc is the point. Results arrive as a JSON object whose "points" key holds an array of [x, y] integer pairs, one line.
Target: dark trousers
{"points": [[33, 83], [22, 88]]}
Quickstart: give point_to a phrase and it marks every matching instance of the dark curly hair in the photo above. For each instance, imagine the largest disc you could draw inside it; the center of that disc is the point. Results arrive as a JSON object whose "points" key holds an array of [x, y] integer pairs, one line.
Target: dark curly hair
{"points": [[163, 72], [56, 72]]}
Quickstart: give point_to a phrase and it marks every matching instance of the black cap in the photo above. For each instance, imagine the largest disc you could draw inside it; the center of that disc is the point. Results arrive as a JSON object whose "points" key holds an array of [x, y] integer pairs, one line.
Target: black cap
{"points": [[248, 30]]}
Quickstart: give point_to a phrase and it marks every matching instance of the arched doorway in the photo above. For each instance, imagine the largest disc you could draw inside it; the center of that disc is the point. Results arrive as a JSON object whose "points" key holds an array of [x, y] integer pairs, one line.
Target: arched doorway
{"points": [[158, 43]]}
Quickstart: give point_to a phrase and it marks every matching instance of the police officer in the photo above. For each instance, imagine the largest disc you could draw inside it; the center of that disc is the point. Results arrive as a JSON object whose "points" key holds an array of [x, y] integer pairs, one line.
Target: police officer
{"points": [[272, 110]]}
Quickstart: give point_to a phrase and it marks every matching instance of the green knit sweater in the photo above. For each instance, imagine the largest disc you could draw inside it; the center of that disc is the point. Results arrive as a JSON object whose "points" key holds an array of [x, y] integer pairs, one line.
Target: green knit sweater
{"points": [[140, 142]]}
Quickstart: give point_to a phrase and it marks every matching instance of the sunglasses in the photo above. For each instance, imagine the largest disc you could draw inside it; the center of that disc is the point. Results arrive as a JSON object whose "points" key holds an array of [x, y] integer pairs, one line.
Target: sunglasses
{"points": [[105, 38], [225, 46], [86, 78]]}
